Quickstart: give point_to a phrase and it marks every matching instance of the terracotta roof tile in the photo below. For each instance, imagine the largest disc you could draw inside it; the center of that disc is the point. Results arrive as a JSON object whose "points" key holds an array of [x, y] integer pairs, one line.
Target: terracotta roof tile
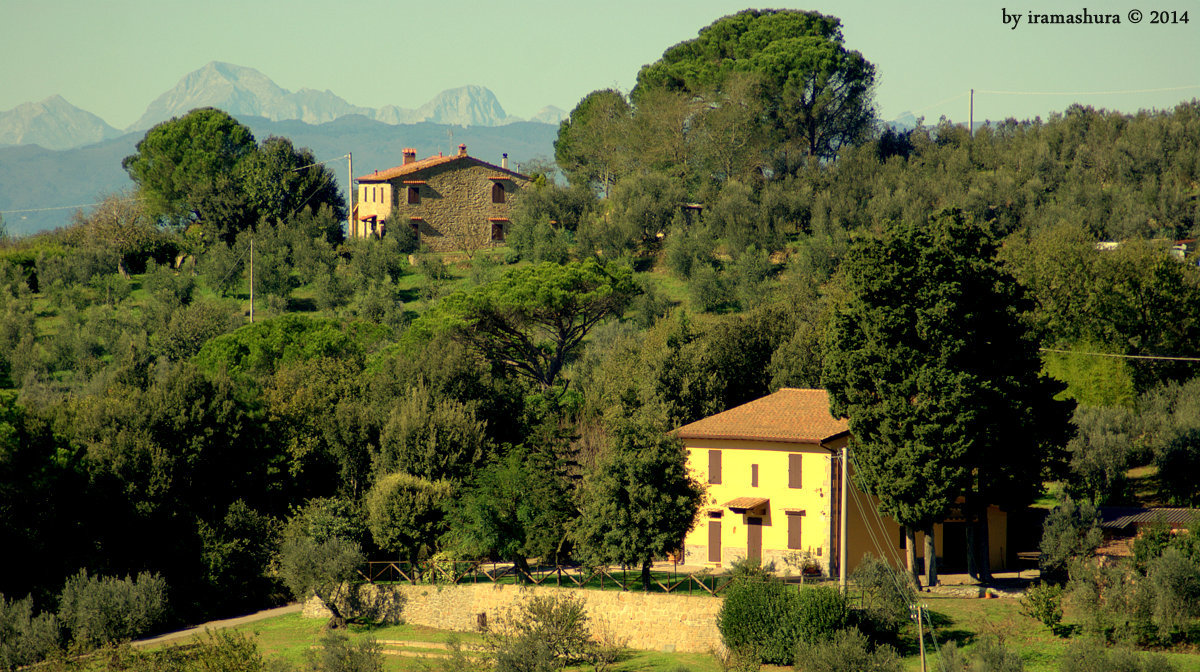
{"points": [[789, 415], [417, 166]]}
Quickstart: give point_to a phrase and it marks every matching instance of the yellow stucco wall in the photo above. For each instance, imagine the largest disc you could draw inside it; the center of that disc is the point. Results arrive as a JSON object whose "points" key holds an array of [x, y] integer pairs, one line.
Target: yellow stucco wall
{"points": [[867, 531], [772, 459]]}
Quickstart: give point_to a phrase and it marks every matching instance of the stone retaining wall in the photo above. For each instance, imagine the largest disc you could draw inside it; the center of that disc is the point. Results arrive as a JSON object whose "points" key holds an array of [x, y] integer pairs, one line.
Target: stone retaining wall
{"points": [[647, 621]]}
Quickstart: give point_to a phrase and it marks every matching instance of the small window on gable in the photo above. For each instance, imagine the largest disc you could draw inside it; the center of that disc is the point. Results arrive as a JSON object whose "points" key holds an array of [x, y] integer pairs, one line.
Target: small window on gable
{"points": [[754, 475], [497, 192], [414, 195]]}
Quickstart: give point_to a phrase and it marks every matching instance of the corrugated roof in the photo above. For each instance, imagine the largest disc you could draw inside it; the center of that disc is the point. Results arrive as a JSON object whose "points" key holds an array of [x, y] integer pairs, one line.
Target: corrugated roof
{"points": [[1116, 517], [789, 415]]}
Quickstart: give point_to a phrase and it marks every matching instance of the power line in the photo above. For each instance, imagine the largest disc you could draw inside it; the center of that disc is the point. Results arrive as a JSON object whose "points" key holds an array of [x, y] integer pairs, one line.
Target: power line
{"points": [[67, 207], [1109, 354], [1088, 93], [321, 163]]}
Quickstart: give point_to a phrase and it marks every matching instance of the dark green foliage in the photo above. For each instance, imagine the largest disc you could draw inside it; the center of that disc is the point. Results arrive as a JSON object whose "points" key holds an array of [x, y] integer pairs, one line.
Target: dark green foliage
{"points": [[191, 326], [929, 360], [1071, 531], [538, 240], [260, 348], [846, 651], [1101, 452], [324, 518], [25, 638], [564, 207], [535, 317], [170, 287], [639, 500], [763, 615], [98, 610], [430, 438], [514, 508], [405, 514], [237, 554], [588, 148], [322, 568], [687, 249], [887, 593], [181, 161]]}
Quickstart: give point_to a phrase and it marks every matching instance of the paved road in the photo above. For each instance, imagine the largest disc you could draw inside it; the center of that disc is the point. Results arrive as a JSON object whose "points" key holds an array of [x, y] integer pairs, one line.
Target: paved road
{"points": [[218, 625]]}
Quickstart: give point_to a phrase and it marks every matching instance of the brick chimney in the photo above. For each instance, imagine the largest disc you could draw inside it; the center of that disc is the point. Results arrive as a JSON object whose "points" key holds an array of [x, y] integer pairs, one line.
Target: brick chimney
{"points": [[504, 161], [410, 155], [462, 149]]}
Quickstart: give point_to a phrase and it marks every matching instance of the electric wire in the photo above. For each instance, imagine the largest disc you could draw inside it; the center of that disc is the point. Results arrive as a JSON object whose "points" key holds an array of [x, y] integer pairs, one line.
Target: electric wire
{"points": [[1171, 358]]}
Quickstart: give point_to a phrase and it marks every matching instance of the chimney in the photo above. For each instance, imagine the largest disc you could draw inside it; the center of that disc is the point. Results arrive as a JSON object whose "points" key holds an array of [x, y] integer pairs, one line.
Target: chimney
{"points": [[462, 149], [410, 155], [504, 161]]}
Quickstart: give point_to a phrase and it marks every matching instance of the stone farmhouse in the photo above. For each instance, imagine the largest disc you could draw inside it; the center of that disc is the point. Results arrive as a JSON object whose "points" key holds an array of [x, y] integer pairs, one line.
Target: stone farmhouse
{"points": [[773, 472], [451, 202]]}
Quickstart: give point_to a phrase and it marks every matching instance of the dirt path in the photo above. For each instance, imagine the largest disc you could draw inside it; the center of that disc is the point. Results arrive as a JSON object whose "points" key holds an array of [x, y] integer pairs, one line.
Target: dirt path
{"points": [[218, 625]]}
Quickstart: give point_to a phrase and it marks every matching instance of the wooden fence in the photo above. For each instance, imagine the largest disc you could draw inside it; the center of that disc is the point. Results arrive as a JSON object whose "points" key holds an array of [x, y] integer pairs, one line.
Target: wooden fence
{"points": [[569, 576]]}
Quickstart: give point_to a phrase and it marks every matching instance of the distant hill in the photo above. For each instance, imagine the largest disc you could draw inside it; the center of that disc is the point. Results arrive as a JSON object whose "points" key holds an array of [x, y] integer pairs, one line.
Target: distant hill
{"points": [[53, 124], [34, 177]]}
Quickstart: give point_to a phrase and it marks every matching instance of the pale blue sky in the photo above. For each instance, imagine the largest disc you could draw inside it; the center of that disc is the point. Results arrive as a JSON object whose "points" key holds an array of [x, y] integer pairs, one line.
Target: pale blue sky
{"points": [[113, 57]]}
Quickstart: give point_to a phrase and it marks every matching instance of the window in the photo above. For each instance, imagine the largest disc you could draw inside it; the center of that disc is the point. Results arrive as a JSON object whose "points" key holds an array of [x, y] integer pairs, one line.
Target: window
{"points": [[754, 475], [497, 192], [414, 195], [497, 232], [794, 462], [794, 520], [714, 467]]}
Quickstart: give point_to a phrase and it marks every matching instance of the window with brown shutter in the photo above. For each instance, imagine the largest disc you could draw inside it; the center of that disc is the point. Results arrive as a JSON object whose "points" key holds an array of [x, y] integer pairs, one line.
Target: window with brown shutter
{"points": [[714, 467], [497, 192], [414, 195], [754, 475], [794, 520], [794, 461]]}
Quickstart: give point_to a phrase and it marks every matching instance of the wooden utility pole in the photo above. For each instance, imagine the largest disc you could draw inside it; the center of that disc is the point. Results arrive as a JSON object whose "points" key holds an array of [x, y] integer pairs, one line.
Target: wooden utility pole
{"points": [[251, 281], [920, 636], [350, 194], [845, 483], [971, 117]]}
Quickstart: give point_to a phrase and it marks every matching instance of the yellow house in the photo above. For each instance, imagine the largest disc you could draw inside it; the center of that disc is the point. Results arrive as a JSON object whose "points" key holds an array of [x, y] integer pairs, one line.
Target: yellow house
{"points": [[772, 469]]}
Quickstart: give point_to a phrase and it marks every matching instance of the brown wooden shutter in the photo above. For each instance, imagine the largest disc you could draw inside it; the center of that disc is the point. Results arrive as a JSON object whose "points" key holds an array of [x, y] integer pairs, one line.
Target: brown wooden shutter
{"points": [[794, 462], [714, 540], [754, 475], [794, 521], [714, 467]]}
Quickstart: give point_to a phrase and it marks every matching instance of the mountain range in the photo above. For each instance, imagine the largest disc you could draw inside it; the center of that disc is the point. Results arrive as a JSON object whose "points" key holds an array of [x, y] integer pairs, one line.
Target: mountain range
{"points": [[54, 123], [53, 154]]}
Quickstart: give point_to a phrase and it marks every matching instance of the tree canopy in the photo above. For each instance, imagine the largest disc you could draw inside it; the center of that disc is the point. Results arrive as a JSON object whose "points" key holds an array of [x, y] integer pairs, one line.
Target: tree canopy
{"points": [[931, 362], [535, 317]]}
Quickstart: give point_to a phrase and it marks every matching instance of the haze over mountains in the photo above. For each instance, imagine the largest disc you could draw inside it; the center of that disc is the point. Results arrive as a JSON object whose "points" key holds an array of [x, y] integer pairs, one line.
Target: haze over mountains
{"points": [[55, 154]]}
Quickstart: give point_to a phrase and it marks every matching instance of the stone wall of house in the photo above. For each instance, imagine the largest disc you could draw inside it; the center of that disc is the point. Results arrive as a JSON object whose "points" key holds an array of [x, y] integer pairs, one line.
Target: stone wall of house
{"points": [[647, 621], [456, 204]]}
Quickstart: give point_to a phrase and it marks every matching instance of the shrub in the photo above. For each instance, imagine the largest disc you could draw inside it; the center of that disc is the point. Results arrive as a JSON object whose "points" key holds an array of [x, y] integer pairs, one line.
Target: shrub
{"points": [[821, 613], [102, 610], [886, 593], [1085, 656], [545, 632], [337, 654], [848, 651], [989, 655], [25, 638], [1071, 531], [1043, 602], [769, 618]]}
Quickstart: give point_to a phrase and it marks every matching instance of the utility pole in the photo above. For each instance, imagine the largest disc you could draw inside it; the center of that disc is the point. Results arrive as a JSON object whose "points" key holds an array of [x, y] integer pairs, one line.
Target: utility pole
{"points": [[251, 281], [845, 483], [971, 117], [350, 193], [920, 634]]}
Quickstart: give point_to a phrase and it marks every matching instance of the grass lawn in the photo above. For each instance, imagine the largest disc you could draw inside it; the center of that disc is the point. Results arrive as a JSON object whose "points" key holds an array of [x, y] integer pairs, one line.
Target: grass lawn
{"points": [[961, 620]]}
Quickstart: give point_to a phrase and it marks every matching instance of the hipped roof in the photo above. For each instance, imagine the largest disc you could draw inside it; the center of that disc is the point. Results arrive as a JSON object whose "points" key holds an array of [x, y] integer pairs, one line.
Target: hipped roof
{"points": [[789, 416]]}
